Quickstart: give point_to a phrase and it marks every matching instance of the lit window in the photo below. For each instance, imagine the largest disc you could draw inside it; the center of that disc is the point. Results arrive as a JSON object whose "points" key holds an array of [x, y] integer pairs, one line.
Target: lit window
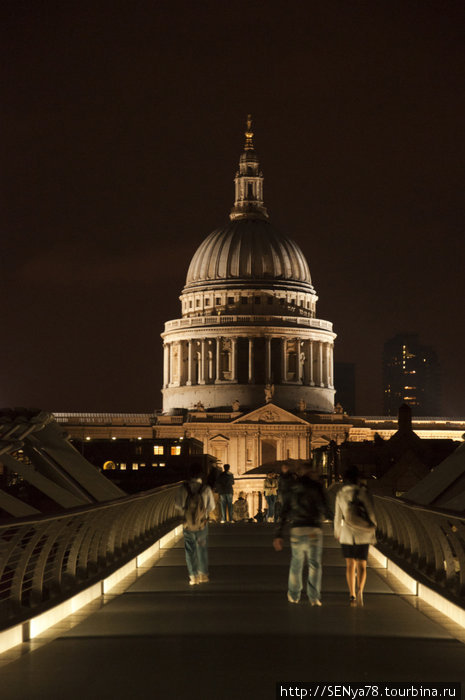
{"points": [[162, 464], [142, 465], [158, 450], [176, 450], [135, 466], [113, 438], [122, 466], [87, 438], [154, 464]]}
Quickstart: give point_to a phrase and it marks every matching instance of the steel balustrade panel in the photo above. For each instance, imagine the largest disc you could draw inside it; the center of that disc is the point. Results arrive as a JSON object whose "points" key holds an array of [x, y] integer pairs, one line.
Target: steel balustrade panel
{"points": [[458, 539], [46, 558], [45, 577], [66, 560], [430, 540], [83, 553]]}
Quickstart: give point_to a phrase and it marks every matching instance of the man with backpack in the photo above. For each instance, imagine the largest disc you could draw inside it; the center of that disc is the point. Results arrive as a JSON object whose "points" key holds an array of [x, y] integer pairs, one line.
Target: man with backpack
{"points": [[196, 502], [304, 507], [224, 487]]}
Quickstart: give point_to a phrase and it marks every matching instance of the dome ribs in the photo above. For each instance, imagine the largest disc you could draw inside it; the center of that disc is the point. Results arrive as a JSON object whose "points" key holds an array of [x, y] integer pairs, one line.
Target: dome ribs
{"points": [[248, 249]]}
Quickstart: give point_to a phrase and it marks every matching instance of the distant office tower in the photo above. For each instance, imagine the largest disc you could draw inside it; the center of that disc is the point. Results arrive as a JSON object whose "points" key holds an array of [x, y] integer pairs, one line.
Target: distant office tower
{"points": [[411, 375], [344, 381]]}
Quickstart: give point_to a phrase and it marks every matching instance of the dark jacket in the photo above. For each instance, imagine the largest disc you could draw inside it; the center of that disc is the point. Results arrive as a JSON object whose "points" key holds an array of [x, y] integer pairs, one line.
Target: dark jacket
{"points": [[224, 483], [304, 505]]}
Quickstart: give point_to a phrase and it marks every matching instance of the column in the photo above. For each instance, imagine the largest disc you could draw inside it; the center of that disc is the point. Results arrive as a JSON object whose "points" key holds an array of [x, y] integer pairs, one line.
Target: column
{"points": [[189, 363], [210, 364], [300, 361], [297, 360], [218, 359], [234, 359], [170, 362], [166, 367], [311, 379], [180, 362], [268, 360], [202, 362], [328, 371], [331, 365], [283, 361], [251, 357], [320, 364]]}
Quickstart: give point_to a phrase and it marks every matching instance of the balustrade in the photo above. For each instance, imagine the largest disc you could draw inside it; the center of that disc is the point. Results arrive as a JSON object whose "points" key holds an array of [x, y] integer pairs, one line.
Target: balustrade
{"points": [[428, 542], [48, 558]]}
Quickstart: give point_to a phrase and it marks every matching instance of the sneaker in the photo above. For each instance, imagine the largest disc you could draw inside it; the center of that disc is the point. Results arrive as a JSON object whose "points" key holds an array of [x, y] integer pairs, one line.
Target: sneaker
{"points": [[203, 578], [291, 599], [316, 603], [193, 580]]}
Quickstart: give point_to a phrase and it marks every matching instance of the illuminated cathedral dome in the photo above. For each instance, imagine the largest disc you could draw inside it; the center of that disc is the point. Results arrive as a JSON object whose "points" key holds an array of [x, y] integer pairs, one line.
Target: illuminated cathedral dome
{"points": [[248, 250], [248, 330]]}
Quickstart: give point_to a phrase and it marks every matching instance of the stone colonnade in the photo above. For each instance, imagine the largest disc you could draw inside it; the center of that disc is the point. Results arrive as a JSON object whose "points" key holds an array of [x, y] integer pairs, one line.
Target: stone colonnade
{"points": [[214, 360]]}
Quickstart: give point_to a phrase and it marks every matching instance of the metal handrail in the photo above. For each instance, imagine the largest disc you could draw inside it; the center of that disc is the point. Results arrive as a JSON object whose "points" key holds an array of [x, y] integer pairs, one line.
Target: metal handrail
{"points": [[428, 542], [46, 559]]}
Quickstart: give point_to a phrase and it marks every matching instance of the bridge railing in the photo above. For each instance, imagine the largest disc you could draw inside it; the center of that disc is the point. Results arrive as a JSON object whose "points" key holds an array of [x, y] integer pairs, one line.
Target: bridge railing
{"points": [[428, 542], [45, 560]]}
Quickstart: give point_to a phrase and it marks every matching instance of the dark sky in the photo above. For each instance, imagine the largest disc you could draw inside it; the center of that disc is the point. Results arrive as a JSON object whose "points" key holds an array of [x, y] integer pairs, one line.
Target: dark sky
{"points": [[121, 127]]}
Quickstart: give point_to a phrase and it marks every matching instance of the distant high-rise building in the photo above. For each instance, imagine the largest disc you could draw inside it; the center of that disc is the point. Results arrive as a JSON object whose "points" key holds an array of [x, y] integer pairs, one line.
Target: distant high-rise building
{"points": [[344, 381], [411, 375]]}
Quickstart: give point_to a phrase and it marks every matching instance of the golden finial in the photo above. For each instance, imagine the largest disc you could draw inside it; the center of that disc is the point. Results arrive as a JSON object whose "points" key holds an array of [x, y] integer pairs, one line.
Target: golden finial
{"points": [[249, 134]]}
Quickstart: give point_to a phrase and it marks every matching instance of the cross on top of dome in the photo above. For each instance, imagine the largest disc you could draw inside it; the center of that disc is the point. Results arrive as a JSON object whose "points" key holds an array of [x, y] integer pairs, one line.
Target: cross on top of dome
{"points": [[249, 134]]}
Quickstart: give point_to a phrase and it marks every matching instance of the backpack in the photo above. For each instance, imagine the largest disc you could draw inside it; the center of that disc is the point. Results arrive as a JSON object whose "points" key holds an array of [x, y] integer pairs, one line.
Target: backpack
{"points": [[356, 515], [195, 514]]}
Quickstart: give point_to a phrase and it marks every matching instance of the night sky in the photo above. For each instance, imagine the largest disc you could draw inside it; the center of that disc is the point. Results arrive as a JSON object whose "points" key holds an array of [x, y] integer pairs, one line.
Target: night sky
{"points": [[121, 128]]}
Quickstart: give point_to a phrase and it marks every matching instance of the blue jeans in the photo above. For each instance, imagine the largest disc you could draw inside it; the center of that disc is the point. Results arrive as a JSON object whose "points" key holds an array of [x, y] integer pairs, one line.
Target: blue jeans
{"points": [[226, 503], [271, 500], [310, 547], [196, 550]]}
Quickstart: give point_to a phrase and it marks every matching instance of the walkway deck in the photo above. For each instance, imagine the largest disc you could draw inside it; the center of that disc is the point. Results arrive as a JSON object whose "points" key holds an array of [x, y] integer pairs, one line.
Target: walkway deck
{"points": [[237, 636]]}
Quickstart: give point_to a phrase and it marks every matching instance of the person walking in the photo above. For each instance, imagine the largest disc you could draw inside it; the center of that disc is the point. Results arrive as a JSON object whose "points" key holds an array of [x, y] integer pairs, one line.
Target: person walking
{"points": [[195, 501], [353, 535], [304, 507], [224, 487], [271, 493]]}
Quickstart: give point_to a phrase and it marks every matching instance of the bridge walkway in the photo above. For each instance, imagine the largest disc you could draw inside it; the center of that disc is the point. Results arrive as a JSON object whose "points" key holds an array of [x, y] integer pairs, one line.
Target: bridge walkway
{"points": [[235, 637]]}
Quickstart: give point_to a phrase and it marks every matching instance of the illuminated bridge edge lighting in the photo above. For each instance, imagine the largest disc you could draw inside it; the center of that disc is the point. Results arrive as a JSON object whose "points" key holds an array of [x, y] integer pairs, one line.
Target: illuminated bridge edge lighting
{"points": [[451, 610], [12, 636]]}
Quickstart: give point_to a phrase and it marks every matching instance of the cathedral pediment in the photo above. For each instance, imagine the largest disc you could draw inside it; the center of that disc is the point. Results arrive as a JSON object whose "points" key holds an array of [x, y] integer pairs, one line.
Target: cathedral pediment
{"points": [[219, 438], [270, 413]]}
